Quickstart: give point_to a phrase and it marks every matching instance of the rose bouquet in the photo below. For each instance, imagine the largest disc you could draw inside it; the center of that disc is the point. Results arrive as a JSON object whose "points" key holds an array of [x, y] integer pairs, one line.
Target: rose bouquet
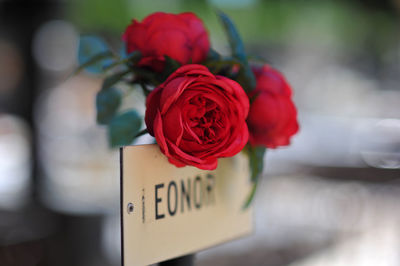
{"points": [[200, 105]]}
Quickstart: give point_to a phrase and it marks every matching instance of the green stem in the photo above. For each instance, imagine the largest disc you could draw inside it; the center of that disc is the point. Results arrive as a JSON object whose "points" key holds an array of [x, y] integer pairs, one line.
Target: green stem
{"points": [[141, 133], [146, 91], [134, 57]]}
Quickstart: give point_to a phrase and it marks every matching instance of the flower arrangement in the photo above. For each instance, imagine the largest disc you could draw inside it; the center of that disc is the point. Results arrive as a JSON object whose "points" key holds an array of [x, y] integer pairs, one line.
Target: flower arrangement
{"points": [[200, 105]]}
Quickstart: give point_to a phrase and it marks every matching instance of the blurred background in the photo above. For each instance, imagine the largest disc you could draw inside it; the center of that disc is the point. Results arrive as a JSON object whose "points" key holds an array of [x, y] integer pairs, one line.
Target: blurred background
{"points": [[331, 198]]}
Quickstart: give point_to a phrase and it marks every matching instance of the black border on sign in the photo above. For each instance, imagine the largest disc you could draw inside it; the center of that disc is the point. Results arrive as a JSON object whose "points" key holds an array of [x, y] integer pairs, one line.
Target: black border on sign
{"points": [[121, 159]]}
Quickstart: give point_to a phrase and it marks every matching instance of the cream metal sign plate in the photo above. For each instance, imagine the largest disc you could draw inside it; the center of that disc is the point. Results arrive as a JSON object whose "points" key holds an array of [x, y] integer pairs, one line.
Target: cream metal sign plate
{"points": [[168, 212]]}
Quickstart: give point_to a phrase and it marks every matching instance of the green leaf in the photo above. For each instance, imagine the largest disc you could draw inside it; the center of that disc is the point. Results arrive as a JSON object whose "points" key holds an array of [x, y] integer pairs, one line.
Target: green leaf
{"points": [[234, 39], [256, 156], [123, 128], [213, 55], [256, 163], [114, 79], [93, 54], [251, 195], [171, 63], [246, 76], [170, 66], [107, 103]]}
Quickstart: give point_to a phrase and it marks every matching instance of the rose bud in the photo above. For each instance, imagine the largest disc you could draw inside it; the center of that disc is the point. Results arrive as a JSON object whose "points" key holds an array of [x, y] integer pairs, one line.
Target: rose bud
{"points": [[272, 116], [182, 37], [197, 117]]}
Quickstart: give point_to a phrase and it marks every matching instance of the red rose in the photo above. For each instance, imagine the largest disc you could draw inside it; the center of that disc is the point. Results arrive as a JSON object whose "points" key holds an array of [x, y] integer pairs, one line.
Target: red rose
{"points": [[272, 117], [197, 117], [182, 37]]}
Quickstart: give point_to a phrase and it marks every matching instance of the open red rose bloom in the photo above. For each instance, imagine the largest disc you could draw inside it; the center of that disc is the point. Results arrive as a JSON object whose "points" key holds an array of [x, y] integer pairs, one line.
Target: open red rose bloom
{"points": [[182, 37], [197, 117]]}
